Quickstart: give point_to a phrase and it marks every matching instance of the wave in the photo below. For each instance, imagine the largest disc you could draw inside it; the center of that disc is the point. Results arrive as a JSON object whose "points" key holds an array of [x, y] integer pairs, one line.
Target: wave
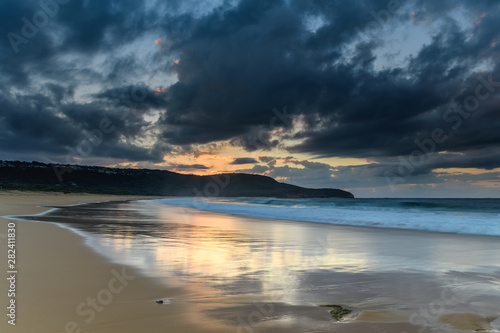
{"points": [[466, 216]]}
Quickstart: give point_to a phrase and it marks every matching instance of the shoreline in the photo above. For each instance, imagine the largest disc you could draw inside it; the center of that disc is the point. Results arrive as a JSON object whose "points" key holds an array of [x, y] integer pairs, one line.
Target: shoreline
{"points": [[58, 271], [256, 218], [58, 274]]}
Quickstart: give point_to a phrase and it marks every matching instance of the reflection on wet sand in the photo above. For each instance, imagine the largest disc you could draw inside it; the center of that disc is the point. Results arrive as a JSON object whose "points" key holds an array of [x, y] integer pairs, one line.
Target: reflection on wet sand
{"points": [[385, 276]]}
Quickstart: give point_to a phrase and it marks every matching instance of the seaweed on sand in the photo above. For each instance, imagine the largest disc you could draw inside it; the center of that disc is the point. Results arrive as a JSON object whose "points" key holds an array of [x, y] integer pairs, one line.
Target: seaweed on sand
{"points": [[338, 311]]}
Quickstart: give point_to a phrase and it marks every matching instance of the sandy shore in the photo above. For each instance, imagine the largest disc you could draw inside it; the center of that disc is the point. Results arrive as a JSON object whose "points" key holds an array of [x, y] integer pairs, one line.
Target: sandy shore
{"points": [[57, 273], [64, 286]]}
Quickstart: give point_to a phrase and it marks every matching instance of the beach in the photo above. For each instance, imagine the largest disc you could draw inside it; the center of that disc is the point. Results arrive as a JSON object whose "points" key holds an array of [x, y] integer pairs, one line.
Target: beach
{"points": [[57, 272], [227, 273]]}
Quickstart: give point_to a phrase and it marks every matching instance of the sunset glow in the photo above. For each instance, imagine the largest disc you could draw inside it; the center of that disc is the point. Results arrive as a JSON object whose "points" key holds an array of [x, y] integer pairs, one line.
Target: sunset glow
{"points": [[402, 96]]}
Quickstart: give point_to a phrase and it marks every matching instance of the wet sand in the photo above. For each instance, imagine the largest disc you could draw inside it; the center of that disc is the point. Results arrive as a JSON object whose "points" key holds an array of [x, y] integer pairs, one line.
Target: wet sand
{"points": [[58, 272]]}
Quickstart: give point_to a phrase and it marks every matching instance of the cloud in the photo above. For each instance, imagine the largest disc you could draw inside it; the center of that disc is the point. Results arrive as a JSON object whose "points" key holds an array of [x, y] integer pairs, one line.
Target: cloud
{"points": [[159, 42], [348, 110], [224, 66], [244, 160], [266, 159], [188, 166]]}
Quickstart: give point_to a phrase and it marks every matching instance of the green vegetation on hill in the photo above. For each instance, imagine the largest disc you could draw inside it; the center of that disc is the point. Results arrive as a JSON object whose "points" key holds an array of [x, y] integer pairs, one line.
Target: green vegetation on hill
{"points": [[75, 178]]}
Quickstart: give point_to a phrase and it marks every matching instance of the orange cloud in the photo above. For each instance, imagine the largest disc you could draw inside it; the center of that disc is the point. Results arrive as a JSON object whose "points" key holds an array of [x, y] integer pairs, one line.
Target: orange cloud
{"points": [[160, 90], [129, 165], [480, 19], [207, 155], [159, 42]]}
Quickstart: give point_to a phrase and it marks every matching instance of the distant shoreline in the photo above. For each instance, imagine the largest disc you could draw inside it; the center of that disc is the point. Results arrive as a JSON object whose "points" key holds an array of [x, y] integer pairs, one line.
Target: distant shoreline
{"points": [[16, 175]]}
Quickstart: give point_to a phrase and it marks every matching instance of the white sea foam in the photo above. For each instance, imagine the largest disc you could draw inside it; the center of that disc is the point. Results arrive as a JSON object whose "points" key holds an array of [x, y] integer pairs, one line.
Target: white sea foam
{"points": [[479, 217]]}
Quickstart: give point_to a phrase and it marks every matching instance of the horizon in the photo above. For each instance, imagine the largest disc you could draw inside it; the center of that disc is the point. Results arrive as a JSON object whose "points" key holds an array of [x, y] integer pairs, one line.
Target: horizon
{"points": [[386, 99]]}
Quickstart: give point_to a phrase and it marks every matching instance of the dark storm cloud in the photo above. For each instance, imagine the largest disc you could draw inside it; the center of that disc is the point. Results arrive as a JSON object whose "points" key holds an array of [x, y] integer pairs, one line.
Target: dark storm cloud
{"points": [[257, 138], [28, 123], [266, 159], [308, 173], [234, 71], [244, 160], [237, 64], [135, 97], [35, 33], [229, 71], [40, 124], [189, 166], [39, 112]]}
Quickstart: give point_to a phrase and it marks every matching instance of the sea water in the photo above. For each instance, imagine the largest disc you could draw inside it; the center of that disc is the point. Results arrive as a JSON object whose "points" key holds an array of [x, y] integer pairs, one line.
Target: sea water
{"points": [[464, 216], [316, 262]]}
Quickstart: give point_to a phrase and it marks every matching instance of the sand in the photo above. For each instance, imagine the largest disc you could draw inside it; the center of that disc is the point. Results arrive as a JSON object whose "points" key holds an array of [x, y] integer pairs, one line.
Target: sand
{"points": [[59, 276], [57, 272]]}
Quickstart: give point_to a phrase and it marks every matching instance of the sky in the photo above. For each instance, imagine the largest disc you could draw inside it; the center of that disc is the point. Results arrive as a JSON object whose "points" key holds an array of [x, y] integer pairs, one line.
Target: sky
{"points": [[380, 98]]}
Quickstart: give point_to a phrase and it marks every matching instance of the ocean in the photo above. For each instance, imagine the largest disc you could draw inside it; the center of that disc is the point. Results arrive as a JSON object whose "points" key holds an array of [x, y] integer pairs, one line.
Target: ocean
{"points": [[464, 216], [396, 253], [161, 236]]}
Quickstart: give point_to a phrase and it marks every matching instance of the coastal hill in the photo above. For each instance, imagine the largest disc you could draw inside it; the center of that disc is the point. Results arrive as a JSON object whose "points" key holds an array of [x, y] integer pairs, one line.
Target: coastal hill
{"points": [[94, 179]]}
